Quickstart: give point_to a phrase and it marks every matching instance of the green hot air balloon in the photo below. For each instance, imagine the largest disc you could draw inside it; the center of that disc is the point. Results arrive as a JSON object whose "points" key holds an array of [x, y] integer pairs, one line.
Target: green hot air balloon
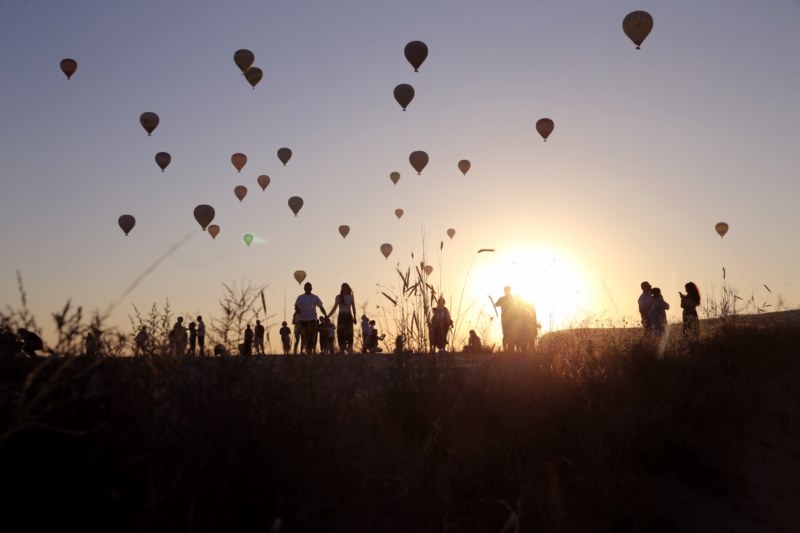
{"points": [[247, 238]]}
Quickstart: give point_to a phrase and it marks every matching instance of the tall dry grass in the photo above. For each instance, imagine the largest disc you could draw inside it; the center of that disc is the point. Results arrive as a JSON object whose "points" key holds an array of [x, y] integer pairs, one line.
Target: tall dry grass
{"points": [[592, 433]]}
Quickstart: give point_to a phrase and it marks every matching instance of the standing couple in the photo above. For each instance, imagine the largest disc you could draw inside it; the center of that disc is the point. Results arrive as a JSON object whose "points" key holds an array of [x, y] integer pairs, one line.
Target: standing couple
{"points": [[653, 309]]}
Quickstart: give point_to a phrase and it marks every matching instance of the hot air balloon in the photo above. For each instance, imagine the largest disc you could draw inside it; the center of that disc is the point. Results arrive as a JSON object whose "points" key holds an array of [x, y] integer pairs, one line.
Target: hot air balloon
{"points": [[418, 160], [386, 250], [545, 127], [213, 230], [299, 276], [243, 59], [428, 270], [248, 239], [126, 222], [204, 214], [398, 213], [637, 26], [395, 177], [263, 181], [149, 121], [68, 67], [284, 154], [240, 191], [344, 229], [295, 204], [239, 161], [463, 166], [721, 228], [451, 232], [253, 76], [404, 93], [162, 160], [416, 52]]}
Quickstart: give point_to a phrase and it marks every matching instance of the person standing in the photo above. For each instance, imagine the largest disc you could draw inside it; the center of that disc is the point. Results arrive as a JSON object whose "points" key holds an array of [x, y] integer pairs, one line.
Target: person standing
{"points": [[306, 306], [507, 304], [286, 337], [645, 301], [258, 338], [201, 336], [192, 338], [657, 316], [178, 337], [440, 326], [689, 303], [247, 346], [141, 341], [345, 303]]}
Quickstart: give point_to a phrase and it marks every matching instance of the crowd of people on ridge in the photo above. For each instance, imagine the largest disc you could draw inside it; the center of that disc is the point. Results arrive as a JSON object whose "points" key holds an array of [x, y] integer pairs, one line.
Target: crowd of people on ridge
{"points": [[518, 320]]}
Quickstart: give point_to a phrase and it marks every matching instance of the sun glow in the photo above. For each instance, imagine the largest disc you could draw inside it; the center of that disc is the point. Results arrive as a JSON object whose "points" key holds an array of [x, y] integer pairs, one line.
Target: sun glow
{"points": [[547, 278]]}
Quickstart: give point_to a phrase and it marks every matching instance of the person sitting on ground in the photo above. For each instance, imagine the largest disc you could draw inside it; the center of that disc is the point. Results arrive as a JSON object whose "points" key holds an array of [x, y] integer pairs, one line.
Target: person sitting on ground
{"points": [[474, 344], [31, 342], [373, 338]]}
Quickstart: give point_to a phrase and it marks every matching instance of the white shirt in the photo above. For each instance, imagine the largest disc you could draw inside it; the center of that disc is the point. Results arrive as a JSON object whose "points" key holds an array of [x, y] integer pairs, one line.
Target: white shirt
{"points": [[307, 304]]}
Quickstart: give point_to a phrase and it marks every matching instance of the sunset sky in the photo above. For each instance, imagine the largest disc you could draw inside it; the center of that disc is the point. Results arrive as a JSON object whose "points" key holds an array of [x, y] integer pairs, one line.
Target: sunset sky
{"points": [[651, 148]]}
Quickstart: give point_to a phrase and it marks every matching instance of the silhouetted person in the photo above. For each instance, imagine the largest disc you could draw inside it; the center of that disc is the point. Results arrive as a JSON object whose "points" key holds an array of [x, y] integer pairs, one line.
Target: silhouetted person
{"points": [[364, 333], [258, 338], [306, 305], [192, 338], [528, 327], [141, 341], [91, 344], [201, 336], [31, 342], [373, 338], [220, 350], [645, 301], [247, 345], [440, 326], [322, 335], [178, 337], [507, 304], [689, 303], [657, 316], [474, 343], [400, 345], [345, 303], [330, 331], [286, 337]]}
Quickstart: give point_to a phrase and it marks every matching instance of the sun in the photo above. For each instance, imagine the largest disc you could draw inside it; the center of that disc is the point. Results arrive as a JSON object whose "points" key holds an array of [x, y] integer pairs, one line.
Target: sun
{"points": [[545, 277]]}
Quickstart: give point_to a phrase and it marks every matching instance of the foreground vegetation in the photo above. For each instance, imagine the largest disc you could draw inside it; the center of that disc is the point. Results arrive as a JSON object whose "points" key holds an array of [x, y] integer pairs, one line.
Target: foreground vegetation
{"points": [[589, 434]]}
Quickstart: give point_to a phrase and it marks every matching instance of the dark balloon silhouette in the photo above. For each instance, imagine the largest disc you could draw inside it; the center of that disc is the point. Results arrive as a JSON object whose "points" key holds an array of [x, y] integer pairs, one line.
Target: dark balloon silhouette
{"points": [[263, 181], [295, 204], [243, 59], [240, 191], [69, 67], [204, 214], [416, 52], [418, 160], [284, 154], [404, 93], [637, 26], [213, 230], [545, 127], [464, 166], [126, 223], [149, 122], [239, 160], [162, 160], [253, 76]]}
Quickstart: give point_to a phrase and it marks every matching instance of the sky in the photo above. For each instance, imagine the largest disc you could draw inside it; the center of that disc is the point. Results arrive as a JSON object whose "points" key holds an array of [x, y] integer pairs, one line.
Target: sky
{"points": [[651, 149]]}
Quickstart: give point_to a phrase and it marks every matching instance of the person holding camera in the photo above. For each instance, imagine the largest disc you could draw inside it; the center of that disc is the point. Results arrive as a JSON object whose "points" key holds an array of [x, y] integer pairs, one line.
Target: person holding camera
{"points": [[689, 303]]}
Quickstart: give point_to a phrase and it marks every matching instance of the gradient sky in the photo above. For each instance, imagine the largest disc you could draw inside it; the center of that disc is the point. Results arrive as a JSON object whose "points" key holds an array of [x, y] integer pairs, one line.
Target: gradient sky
{"points": [[651, 148]]}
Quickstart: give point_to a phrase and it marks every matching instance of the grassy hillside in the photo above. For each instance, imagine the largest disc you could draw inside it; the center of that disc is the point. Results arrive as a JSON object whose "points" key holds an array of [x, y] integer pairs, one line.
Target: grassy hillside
{"points": [[592, 433]]}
